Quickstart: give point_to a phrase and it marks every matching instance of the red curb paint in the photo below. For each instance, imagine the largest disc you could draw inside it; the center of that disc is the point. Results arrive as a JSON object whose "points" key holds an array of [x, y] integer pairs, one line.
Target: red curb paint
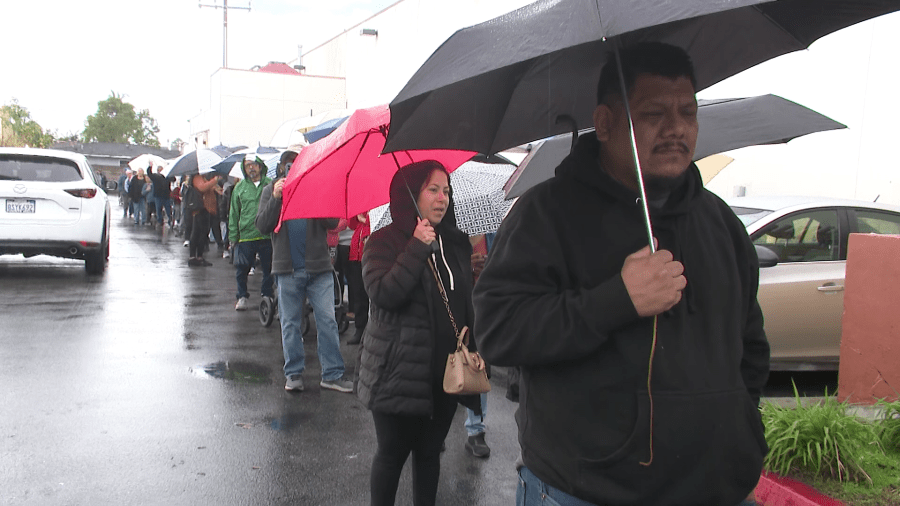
{"points": [[774, 490]]}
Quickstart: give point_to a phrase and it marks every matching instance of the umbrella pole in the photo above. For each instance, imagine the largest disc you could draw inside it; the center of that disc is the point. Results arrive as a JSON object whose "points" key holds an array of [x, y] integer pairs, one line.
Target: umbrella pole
{"points": [[634, 152], [643, 196]]}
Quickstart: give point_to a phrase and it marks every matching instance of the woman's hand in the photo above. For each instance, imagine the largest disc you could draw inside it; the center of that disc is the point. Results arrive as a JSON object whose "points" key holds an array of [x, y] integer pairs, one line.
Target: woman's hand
{"points": [[424, 232], [277, 188]]}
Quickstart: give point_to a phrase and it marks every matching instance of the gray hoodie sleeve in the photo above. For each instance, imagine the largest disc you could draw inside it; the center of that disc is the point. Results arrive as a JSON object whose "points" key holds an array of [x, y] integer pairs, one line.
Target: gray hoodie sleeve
{"points": [[269, 211]]}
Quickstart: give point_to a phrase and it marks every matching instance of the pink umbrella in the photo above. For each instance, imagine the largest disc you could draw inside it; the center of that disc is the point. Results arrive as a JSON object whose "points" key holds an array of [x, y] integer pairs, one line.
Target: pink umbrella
{"points": [[345, 173]]}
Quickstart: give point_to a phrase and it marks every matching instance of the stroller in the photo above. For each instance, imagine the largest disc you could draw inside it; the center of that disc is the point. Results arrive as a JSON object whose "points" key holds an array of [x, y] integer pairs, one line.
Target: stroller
{"points": [[268, 310]]}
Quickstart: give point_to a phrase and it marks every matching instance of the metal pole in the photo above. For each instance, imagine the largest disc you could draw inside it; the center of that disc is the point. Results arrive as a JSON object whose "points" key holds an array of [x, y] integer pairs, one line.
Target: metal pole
{"points": [[225, 34], [225, 8]]}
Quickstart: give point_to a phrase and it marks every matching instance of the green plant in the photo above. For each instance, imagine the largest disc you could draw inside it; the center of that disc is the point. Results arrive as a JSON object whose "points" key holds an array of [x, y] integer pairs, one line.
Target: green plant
{"points": [[821, 440], [890, 424]]}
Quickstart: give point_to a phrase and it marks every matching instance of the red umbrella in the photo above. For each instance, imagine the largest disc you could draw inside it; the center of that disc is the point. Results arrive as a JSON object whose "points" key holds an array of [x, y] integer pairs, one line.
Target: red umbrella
{"points": [[345, 173]]}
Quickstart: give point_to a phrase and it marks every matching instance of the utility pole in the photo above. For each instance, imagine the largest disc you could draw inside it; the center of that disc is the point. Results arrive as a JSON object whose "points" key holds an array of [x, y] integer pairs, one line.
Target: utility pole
{"points": [[225, 8]]}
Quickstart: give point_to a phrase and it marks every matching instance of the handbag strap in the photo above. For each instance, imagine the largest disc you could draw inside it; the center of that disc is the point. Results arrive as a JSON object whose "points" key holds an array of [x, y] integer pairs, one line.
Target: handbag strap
{"points": [[443, 294]]}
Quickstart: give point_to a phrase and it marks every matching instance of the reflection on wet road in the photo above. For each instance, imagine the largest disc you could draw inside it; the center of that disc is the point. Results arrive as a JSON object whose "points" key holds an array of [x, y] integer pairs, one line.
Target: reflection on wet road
{"points": [[144, 386]]}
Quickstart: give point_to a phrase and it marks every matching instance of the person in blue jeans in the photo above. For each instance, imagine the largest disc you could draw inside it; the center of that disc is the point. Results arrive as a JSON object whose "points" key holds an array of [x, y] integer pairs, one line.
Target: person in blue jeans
{"points": [[302, 267]]}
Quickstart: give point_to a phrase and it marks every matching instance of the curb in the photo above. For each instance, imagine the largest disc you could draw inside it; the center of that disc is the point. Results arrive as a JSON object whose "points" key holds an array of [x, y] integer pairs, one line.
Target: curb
{"points": [[774, 490]]}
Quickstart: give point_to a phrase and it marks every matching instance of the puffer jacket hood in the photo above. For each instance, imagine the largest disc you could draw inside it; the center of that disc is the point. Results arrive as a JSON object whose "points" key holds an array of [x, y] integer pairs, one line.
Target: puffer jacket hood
{"points": [[405, 187]]}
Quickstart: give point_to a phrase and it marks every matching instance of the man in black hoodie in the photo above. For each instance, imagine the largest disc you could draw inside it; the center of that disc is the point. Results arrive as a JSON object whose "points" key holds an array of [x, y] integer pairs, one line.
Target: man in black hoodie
{"points": [[640, 371]]}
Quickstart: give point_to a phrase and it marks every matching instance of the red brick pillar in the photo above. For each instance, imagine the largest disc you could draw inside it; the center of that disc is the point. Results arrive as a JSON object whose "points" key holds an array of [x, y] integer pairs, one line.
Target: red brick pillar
{"points": [[870, 337]]}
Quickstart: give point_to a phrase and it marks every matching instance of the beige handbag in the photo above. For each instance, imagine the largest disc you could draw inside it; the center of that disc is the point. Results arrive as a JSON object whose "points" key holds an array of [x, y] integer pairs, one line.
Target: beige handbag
{"points": [[465, 372]]}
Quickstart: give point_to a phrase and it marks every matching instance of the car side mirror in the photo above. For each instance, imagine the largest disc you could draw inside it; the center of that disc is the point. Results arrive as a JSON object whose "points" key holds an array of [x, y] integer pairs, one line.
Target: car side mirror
{"points": [[767, 257], [111, 186]]}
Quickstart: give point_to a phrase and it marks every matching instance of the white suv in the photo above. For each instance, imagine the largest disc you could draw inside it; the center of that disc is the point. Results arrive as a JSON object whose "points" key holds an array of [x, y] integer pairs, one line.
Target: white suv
{"points": [[51, 203]]}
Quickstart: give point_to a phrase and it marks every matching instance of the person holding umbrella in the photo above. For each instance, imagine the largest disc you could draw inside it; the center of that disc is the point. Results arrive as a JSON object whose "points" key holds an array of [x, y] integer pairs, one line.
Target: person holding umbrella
{"points": [[302, 267], [410, 333], [641, 369]]}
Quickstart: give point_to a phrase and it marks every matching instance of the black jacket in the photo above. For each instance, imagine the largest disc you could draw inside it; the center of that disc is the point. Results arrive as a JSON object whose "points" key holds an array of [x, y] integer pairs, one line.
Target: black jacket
{"points": [[551, 299], [408, 324], [136, 187]]}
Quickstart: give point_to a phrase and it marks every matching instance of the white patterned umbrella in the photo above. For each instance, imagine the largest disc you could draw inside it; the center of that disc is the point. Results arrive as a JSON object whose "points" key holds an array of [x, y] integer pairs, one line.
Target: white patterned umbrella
{"points": [[478, 198]]}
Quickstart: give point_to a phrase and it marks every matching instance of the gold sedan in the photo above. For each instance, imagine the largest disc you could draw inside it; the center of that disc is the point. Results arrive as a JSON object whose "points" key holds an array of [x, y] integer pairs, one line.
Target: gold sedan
{"points": [[802, 248]]}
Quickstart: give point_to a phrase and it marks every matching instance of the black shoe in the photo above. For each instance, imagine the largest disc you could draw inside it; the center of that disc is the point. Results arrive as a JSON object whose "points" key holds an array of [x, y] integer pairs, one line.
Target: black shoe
{"points": [[194, 262], [477, 446], [203, 262], [356, 339]]}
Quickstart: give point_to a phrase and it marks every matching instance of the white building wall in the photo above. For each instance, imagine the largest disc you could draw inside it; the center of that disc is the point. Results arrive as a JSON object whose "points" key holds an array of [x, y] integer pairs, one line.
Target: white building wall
{"points": [[246, 107], [377, 66]]}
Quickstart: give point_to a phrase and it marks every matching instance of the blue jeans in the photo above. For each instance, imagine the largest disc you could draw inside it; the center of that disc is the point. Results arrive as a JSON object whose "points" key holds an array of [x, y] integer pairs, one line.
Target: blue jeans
{"points": [[293, 290], [244, 257], [163, 203], [531, 491], [140, 211], [475, 423]]}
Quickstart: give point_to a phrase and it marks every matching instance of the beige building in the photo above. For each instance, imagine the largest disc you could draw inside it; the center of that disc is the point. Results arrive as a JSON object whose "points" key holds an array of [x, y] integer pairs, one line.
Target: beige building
{"points": [[247, 106]]}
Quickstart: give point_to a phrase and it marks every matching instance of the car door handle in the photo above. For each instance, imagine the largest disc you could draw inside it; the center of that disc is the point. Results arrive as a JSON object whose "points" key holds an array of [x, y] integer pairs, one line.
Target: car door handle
{"points": [[831, 287]]}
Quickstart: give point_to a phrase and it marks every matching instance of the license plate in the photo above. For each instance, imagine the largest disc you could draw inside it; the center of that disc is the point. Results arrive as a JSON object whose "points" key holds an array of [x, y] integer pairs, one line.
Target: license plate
{"points": [[20, 206]]}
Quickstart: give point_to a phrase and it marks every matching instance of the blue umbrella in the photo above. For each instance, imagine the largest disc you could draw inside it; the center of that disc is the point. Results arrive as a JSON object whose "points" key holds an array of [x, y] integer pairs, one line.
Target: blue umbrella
{"points": [[225, 166], [324, 129]]}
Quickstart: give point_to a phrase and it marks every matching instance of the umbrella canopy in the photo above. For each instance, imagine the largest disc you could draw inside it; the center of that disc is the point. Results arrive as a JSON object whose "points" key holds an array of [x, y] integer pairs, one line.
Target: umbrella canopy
{"points": [[345, 173], [725, 124], [231, 164], [323, 129], [478, 198], [505, 82], [200, 161], [146, 160]]}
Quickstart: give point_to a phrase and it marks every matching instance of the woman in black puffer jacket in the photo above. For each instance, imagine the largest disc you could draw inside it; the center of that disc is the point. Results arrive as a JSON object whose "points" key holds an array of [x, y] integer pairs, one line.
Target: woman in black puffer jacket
{"points": [[409, 334]]}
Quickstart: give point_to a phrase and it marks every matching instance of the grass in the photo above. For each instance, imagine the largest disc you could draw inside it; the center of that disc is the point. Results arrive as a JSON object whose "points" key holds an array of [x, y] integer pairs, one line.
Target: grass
{"points": [[851, 459]]}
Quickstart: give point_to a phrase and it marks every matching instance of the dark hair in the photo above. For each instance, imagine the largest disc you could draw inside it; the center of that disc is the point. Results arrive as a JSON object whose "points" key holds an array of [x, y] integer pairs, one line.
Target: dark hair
{"points": [[654, 58], [288, 155], [284, 164]]}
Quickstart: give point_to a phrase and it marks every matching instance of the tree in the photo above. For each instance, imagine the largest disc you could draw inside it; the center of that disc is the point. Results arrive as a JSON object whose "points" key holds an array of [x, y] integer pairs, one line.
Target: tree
{"points": [[17, 129], [116, 121], [177, 144]]}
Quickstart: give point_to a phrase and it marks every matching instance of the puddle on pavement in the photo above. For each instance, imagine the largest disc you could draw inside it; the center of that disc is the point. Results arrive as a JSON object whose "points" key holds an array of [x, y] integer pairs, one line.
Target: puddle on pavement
{"points": [[289, 421], [240, 372]]}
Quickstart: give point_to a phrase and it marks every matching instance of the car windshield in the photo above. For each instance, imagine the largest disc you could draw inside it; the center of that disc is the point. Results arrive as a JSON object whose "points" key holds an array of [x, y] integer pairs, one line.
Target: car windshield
{"points": [[749, 215], [38, 168]]}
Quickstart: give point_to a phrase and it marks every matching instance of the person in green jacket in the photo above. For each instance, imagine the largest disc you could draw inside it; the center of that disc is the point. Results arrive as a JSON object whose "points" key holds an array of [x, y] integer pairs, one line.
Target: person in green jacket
{"points": [[247, 239]]}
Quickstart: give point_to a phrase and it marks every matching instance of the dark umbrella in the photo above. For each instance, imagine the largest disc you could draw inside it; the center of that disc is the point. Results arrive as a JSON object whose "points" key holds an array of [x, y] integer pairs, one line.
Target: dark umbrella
{"points": [[323, 129], [725, 124], [507, 81], [200, 161]]}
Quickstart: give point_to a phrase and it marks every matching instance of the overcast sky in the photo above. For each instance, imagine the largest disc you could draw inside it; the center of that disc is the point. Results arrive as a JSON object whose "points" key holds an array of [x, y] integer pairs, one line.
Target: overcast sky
{"points": [[61, 57]]}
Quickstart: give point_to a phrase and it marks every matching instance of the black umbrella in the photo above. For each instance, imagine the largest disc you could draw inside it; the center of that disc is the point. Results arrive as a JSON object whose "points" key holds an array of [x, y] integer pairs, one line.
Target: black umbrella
{"points": [[507, 81], [200, 161], [725, 124]]}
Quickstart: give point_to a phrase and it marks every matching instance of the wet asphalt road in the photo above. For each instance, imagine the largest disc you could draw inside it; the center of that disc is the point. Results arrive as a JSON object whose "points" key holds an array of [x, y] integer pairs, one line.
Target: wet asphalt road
{"points": [[144, 386]]}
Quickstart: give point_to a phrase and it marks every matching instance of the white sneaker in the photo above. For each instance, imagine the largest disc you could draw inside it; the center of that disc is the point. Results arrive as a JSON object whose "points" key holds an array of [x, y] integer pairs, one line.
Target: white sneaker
{"points": [[186, 244], [242, 304], [226, 254], [252, 271]]}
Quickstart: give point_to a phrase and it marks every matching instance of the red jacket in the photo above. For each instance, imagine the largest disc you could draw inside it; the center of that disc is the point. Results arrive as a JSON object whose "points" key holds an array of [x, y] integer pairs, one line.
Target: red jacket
{"points": [[361, 233]]}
